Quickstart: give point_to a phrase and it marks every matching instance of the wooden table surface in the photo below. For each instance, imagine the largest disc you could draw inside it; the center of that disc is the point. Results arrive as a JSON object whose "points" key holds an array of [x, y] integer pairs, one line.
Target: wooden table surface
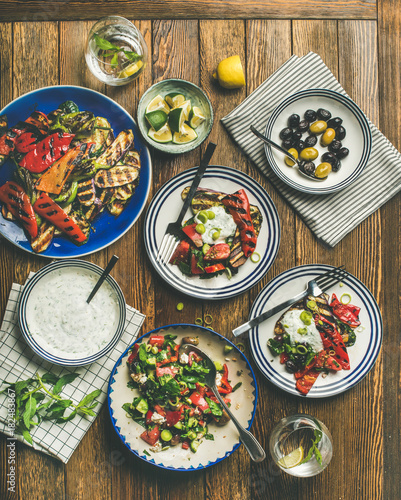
{"points": [[42, 44]]}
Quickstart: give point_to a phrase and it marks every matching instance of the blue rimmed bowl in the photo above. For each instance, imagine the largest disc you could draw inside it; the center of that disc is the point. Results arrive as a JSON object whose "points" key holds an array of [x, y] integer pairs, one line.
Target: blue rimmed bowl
{"points": [[35, 294], [190, 91], [358, 140], [226, 439]]}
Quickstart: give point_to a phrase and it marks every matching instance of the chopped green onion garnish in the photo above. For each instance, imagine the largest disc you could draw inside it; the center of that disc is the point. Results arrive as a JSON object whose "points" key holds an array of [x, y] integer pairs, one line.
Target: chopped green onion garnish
{"points": [[255, 257], [228, 272], [199, 321], [180, 306], [208, 319], [241, 346], [346, 296]]}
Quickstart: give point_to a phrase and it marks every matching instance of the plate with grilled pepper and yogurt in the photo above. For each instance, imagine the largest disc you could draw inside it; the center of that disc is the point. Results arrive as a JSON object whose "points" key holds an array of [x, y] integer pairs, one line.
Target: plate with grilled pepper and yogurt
{"points": [[230, 235], [74, 173]]}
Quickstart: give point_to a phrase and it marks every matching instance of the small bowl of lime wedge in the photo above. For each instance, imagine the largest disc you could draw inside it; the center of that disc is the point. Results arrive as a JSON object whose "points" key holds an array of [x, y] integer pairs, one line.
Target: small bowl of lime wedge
{"points": [[175, 116]]}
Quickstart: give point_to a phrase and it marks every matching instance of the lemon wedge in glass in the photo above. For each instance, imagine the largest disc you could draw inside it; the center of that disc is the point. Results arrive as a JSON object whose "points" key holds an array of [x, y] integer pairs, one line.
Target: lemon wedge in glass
{"points": [[163, 135], [292, 459], [187, 134], [157, 103], [131, 69], [230, 73]]}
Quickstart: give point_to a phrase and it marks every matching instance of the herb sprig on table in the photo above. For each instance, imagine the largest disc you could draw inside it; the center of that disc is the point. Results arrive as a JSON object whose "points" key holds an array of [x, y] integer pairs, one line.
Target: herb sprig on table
{"points": [[38, 399], [113, 50]]}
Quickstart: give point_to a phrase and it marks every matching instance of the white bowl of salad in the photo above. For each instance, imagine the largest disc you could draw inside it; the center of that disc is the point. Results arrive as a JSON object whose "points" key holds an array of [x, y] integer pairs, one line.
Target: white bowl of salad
{"points": [[161, 408]]}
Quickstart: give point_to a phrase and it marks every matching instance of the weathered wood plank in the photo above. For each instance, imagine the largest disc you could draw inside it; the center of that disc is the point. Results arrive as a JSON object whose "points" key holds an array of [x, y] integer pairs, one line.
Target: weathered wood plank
{"points": [[35, 10]]}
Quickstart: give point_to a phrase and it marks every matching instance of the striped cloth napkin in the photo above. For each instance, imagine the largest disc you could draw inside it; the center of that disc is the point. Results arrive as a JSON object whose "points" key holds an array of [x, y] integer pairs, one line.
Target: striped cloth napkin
{"points": [[330, 217], [19, 362]]}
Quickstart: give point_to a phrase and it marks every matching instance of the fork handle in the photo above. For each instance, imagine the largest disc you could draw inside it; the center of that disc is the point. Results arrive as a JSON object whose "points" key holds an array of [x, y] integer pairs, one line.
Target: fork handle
{"points": [[267, 314], [195, 183]]}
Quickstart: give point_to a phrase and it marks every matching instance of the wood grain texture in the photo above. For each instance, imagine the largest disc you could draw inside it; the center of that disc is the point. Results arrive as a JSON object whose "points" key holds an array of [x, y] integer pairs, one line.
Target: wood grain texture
{"points": [[35, 10]]}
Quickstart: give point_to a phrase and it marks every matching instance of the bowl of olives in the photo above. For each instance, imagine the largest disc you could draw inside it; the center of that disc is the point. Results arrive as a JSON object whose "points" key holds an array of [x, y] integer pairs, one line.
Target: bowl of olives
{"points": [[329, 136]]}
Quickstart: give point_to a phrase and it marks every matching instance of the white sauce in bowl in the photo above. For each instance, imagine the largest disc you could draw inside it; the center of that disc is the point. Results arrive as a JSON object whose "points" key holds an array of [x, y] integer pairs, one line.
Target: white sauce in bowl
{"points": [[62, 323]]}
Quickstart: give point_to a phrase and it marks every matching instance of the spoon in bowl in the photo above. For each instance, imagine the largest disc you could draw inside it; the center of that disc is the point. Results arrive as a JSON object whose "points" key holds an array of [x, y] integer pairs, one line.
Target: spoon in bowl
{"points": [[290, 156], [253, 447], [103, 276]]}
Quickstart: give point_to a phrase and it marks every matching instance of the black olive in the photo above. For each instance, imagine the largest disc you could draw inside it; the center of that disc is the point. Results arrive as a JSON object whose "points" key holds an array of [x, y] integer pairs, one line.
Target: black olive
{"points": [[288, 143], [278, 338], [286, 133], [323, 114], [310, 115], [297, 136], [340, 133], [342, 153], [300, 146], [335, 146], [329, 158], [293, 121], [291, 367], [303, 126], [308, 167], [334, 122], [336, 166], [310, 141]]}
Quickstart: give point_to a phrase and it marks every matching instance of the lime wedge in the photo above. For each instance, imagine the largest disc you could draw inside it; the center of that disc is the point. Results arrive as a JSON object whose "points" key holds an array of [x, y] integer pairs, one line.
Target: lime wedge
{"points": [[186, 106], [292, 459], [174, 99], [131, 69], [162, 135], [157, 119], [157, 103], [196, 117], [176, 119], [187, 134]]}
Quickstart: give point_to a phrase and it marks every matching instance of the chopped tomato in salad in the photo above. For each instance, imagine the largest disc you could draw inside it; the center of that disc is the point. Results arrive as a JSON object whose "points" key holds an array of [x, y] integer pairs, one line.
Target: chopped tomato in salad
{"points": [[312, 338], [174, 405]]}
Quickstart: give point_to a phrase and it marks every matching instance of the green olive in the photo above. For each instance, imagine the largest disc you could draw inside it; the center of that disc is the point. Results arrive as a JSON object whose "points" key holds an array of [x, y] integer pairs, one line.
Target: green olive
{"points": [[288, 160], [323, 170], [200, 228], [216, 235], [318, 127], [309, 154], [202, 216], [328, 137], [210, 214]]}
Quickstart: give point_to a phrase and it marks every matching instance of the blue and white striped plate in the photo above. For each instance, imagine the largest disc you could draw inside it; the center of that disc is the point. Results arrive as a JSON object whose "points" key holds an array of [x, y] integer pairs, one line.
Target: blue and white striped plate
{"points": [[358, 140], [226, 438], [362, 354], [166, 206], [42, 276]]}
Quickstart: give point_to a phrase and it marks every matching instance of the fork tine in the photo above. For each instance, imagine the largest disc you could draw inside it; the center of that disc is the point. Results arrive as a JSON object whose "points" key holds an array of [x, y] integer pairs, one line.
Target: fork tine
{"points": [[328, 273], [162, 247], [328, 281], [170, 250]]}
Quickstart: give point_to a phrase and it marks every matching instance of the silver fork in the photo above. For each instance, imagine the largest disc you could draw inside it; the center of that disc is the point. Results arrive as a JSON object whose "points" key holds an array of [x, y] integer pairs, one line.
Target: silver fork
{"points": [[173, 232], [314, 287]]}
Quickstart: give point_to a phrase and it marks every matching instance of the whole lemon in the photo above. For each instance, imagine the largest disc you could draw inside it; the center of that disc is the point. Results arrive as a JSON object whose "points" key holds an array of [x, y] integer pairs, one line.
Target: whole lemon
{"points": [[230, 73]]}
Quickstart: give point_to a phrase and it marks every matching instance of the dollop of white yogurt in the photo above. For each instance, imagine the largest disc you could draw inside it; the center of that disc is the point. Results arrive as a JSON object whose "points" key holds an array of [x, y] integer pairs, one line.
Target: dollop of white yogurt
{"points": [[61, 321], [222, 221], [292, 322]]}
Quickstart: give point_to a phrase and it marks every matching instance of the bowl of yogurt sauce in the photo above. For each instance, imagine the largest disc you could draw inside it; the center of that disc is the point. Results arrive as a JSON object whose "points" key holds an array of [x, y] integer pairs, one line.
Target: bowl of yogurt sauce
{"points": [[57, 322]]}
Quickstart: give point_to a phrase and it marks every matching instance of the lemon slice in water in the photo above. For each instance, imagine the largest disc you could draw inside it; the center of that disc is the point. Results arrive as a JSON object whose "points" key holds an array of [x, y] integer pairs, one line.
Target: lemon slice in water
{"points": [[292, 459], [131, 69]]}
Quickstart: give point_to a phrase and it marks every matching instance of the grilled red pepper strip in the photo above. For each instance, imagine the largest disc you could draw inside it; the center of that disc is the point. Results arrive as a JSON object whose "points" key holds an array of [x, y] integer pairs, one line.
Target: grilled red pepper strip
{"points": [[40, 121], [225, 387], [347, 313], [49, 210], [25, 142], [332, 340], [46, 152], [18, 203], [238, 205], [305, 383]]}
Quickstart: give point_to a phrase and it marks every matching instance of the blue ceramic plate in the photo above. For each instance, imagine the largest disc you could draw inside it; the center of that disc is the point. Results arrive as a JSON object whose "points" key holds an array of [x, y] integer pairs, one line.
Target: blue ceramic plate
{"points": [[42, 278], [358, 140], [226, 439], [166, 206], [107, 229], [362, 354]]}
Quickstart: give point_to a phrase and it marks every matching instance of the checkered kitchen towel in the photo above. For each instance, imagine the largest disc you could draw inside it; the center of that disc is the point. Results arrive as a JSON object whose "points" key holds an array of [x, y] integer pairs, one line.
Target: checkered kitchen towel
{"points": [[19, 362], [330, 217]]}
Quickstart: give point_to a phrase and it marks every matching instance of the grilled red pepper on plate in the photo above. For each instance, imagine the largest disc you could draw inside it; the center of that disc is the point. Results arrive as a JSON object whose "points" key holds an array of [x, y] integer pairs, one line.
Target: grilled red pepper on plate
{"points": [[214, 268], [49, 210], [347, 313], [304, 384], [180, 253], [40, 121], [25, 142], [46, 152], [220, 251], [193, 235], [238, 205], [332, 340], [18, 203]]}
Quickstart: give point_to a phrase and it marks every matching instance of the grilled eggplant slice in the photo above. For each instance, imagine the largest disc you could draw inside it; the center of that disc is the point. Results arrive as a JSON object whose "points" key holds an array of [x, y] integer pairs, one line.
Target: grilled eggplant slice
{"points": [[116, 207], [117, 149], [101, 134], [6, 214], [116, 176], [204, 199], [86, 193], [43, 238], [124, 193]]}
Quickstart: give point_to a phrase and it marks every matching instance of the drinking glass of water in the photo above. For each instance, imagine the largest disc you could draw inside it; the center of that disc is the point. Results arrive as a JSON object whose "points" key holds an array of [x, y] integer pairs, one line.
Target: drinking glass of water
{"points": [[301, 445], [116, 52]]}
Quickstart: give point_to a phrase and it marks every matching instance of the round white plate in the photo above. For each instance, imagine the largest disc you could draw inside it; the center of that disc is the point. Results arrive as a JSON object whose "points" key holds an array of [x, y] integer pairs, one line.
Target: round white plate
{"points": [[226, 439], [362, 354], [165, 208], [358, 140]]}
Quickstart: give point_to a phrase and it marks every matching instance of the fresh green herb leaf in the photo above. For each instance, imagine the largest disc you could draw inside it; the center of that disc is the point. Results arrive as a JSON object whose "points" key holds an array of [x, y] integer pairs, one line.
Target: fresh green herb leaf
{"points": [[69, 417], [64, 380], [214, 408], [114, 60], [30, 409], [237, 386], [89, 398], [209, 436], [50, 378], [104, 44], [132, 56], [147, 453], [27, 436]]}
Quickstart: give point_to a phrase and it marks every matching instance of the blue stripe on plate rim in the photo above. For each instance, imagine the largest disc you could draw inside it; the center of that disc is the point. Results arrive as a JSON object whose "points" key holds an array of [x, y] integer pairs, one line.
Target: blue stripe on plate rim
{"points": [[356, 374], [264, 202], [65, 263], [360, 117], [203, 329]]}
